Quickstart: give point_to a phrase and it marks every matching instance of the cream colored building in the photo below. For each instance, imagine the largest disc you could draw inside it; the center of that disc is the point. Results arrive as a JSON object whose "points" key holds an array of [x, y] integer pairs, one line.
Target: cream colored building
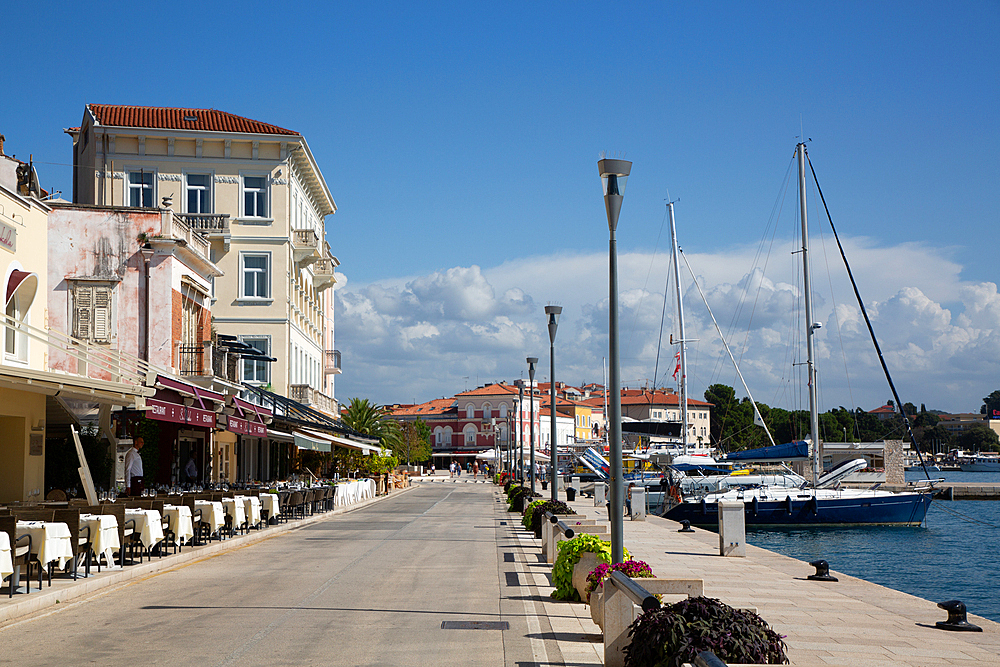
{"points": [[256, 191]]}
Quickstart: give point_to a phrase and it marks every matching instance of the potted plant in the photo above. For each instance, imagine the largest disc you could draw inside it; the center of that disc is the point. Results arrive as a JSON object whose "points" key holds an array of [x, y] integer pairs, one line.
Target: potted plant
{"points": [[570, 553], [636, 569], [673, 635], [534, 514]]}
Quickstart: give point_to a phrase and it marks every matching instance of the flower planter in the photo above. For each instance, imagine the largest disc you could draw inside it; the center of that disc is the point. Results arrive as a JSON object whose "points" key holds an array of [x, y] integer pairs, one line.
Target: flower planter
{"points": [[588, 561], [597, 607]]}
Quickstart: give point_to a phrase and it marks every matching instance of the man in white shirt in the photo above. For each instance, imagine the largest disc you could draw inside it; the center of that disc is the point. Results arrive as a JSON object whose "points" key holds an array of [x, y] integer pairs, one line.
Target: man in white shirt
{"points": [[133, 469], [191, 470]]}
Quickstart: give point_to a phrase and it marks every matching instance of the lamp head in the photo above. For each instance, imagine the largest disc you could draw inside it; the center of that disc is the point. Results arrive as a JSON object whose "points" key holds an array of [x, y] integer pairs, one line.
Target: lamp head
{"points": [[531, 367], [552, 313], [614, 175]]}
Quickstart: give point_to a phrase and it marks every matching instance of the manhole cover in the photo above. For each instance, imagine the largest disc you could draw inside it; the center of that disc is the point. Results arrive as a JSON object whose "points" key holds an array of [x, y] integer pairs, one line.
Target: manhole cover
{"points": [[475, 625]]}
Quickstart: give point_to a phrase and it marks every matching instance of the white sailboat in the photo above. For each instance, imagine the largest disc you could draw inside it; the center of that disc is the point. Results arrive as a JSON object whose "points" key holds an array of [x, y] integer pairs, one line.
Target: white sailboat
{"points": [[818, 502]]}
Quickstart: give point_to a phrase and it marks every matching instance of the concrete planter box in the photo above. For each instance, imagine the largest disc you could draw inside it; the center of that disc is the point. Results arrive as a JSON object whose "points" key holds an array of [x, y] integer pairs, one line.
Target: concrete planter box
{"points": [[588, 561], [597, 607]]}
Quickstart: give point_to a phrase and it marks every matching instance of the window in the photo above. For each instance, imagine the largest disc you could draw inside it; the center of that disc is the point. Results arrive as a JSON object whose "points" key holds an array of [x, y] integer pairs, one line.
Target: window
{"points": [[256, 275], [438, 436], [470, 411], [470, 435], [255, 196], [140, 188], [256, 370], [16, 342], [503, 411], [487, 411], [92, 312], [198, 190]]}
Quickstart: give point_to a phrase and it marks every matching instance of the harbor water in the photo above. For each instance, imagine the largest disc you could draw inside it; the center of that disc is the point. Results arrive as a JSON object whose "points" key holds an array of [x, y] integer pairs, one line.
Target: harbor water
{"points": [[952, 556]]}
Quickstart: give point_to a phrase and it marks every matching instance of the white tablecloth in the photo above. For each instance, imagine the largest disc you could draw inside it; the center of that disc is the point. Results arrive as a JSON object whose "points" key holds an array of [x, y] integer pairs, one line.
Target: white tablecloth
{"points": [[270, 502], [180, 522], [211, 513], [103, 533], [6, 562], [236, 510], [251, 506], [148, 525], [49, 541], [349, 493]]}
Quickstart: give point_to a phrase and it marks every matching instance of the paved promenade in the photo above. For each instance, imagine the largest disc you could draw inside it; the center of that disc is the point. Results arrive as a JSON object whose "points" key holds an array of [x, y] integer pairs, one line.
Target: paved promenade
{"points": [[441, 574]]}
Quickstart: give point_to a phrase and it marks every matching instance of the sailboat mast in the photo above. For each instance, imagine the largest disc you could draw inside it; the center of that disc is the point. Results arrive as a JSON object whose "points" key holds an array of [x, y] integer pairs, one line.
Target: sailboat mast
{"points": [[811, 325], [680, 322]]}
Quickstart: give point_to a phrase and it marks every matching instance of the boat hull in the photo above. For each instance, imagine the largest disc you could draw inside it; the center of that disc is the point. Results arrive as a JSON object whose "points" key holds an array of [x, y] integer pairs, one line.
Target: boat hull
{"points": [[981, 467], [907, 509]]}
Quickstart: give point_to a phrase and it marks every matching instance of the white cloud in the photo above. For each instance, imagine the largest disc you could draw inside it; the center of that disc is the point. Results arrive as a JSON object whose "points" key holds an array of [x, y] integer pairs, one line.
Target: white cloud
{"points": [[422, 337]]}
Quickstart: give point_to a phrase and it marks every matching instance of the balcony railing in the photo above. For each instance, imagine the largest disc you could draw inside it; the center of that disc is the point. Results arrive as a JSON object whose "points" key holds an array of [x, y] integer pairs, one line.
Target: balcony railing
{"points": [[192, 360], [208, 359], [323, 273], [332, 365], [306, 395], [207, 223], [305, 246]]}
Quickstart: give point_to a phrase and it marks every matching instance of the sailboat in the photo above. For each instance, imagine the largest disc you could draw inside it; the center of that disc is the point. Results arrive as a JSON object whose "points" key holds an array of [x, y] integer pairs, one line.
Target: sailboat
{"points": [[819, 501]]}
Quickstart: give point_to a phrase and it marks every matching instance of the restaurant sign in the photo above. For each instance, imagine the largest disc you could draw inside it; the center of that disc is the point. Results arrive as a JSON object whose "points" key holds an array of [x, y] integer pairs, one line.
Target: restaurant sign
{"points": [[8, 237], [246, 427], [179, 414]]}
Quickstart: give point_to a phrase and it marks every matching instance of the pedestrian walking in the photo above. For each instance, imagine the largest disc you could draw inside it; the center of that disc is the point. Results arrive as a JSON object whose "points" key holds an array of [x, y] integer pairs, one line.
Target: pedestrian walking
{"points": [[628, 499], [451, 469], [475, 470]]}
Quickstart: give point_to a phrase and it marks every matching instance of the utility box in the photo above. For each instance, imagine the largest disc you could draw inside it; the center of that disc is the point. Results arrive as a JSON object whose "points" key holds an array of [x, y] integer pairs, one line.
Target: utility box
{"points": [[600, 494], [732, 529], [575, 483], [638, 503]]}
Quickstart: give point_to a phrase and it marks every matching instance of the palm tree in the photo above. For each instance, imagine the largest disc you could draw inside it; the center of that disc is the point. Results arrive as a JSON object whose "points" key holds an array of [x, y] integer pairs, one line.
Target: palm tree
{"points": [[372, 420]]}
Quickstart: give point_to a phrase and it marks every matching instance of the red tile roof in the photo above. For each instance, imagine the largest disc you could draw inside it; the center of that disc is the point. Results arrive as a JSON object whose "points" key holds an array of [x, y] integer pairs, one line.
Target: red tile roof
{"points": [[436, 407], [169, 118], [646, 397], [491, 390]]}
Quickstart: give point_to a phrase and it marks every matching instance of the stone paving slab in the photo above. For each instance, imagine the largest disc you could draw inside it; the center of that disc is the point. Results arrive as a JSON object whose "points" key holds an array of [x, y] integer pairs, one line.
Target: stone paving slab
{"points": [[849, 623]]}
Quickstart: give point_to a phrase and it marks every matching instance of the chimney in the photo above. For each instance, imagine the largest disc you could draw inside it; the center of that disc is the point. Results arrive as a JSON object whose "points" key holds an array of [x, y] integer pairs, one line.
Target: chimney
{"points": [[2, 139]]}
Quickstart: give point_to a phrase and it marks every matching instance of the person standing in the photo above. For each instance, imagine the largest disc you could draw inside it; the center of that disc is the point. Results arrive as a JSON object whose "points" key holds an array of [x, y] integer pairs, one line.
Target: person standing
{"points": [[191, 470], [133, 468], [475, 470]]}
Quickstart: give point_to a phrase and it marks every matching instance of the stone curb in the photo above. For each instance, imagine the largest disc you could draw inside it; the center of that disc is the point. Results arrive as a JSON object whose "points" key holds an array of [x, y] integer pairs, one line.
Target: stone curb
{"points": [[11, 610]]}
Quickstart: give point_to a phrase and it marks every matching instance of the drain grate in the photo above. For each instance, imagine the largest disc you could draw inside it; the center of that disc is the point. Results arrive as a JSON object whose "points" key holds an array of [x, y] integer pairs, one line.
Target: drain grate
{"points": [[475, 625], [512, 579], [508, 557]]}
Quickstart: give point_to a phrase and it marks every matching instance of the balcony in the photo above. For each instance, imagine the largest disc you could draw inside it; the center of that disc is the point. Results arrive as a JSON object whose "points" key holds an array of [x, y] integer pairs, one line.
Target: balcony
{"points": [[210, 225], [332, 364], [207, 360], [305, 246], [306, 395], [324, 273]]}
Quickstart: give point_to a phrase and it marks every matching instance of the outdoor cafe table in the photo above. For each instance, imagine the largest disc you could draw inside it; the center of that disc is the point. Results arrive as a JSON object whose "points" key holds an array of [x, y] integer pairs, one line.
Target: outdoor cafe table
{"points": [[270, 502], [49, 541], [212, 514], [148, 525], [251, 506], [235, 509], [103, 534], [180, 522], [6, 563]]}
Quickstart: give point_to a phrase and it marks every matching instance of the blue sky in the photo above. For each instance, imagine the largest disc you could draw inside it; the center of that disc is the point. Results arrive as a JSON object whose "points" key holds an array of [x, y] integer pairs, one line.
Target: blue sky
{"points": [[460, 142]]}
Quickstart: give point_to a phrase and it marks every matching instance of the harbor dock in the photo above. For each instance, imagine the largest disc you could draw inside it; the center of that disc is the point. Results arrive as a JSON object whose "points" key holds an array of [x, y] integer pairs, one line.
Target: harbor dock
{"points": [[949, 490], [849, 622]]}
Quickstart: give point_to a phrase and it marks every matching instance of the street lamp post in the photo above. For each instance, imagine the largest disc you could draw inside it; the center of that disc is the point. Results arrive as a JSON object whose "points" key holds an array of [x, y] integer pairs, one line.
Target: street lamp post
{"points": [[520, 431], [552, 313], [614, 174], [531, 419]]}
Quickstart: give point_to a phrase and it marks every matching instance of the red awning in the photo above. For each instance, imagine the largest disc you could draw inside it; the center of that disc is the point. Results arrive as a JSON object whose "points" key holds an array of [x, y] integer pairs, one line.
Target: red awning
{"points": [[23, 284]]}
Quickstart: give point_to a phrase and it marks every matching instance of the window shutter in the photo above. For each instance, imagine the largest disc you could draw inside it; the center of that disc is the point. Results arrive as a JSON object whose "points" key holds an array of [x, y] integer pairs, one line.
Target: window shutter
{"points": [[102, 315], [82, 310]]}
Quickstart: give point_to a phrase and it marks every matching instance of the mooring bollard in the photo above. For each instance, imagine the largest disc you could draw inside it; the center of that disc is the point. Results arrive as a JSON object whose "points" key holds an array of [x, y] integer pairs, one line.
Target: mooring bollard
{"points": [[822, 571], [957, 620], [685, 527]]}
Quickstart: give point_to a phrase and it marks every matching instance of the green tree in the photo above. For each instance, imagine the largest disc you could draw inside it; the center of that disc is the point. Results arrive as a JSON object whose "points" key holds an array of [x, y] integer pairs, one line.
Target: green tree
{"points": [[414, 442], [372, 420], [978, 438], [991, 405]]}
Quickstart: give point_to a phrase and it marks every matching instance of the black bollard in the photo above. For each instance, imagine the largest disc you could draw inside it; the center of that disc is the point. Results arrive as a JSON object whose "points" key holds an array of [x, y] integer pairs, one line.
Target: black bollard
{"points": [[822, 571], [685, 527], [957, 620]]}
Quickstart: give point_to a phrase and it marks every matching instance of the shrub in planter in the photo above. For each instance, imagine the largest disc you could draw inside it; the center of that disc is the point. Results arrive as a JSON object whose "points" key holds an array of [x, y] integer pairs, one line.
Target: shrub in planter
{"points": [[636, 569], [517, 497], [534, 514], [675, 634], [569, 556]]}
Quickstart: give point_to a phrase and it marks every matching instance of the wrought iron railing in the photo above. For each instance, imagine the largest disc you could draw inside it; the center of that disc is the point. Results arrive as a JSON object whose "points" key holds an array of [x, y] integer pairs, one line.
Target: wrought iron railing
{"points": [[192, 360]]}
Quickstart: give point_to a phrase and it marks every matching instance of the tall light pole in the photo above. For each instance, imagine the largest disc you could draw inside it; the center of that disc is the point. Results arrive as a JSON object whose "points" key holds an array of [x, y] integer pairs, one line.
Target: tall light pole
{"points": [[552, 314], [531, 419], [614, 174], [520, 411]]}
